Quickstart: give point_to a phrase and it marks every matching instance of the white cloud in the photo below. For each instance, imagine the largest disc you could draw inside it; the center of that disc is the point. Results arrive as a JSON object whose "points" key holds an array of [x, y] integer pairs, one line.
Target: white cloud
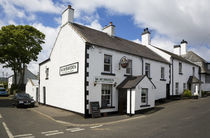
{"points": [[137, 41], [95, 25]]}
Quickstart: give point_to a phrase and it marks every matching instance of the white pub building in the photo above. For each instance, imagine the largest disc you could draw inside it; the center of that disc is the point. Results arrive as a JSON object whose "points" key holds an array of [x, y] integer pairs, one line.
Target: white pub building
{"points": [[88, 65]]}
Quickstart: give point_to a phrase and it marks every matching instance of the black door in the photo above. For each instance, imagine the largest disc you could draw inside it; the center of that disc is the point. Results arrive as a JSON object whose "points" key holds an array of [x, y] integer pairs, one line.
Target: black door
{"points": [[167, 91], [44, 95], [122, 101]]}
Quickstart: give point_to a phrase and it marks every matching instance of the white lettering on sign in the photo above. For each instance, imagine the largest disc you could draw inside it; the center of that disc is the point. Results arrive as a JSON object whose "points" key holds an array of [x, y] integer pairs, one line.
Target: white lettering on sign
{"points": [[104, 80], [69, 69]]}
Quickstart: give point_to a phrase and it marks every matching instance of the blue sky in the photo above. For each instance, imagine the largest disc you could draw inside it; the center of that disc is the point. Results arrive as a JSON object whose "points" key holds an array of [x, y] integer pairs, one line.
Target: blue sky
{"points": [[169, 21]]}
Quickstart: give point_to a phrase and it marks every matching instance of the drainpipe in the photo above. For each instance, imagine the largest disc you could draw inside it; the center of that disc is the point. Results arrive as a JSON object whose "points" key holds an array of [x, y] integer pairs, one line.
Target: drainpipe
{"points": [[142, 61], [172, 76], [130, 103]]}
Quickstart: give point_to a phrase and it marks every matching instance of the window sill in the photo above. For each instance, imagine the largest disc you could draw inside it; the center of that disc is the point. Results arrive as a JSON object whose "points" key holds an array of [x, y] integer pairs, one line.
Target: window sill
{"points": [[162, 79], [180, 73], [109, 107], [127, 75], [145, 105], [107, 73]]}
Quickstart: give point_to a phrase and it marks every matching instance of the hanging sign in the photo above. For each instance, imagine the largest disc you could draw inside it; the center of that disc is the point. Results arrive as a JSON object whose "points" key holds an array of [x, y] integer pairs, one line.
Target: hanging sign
{"points": [[69, 69], [124, 62]]}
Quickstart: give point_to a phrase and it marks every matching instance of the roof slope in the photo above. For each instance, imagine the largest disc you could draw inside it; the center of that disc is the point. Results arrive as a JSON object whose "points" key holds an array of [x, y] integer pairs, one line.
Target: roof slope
{"points": [[197, 60], [193, 79], [102, 39], [131, 82], [176, 56]]}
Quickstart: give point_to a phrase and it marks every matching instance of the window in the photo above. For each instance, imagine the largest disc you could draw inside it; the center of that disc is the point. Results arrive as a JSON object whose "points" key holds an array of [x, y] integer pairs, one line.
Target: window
{"points": [[184, 86], [106, 95], [162, 76], [180, 68], [207, 78], [147, 70], [144, 95], [177, 88], [193, 70], [129, 67], [208, 66], [107, 63], [47, 73]]}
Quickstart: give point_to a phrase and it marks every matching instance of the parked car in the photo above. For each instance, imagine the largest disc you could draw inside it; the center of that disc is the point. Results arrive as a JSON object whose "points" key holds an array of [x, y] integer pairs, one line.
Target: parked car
{"points": [[23, 99], [3, 92]]}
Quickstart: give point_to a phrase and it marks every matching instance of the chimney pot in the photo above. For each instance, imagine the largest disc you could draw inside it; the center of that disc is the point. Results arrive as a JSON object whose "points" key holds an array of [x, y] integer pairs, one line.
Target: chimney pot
{"points": [[69, 6], [110, 23]]}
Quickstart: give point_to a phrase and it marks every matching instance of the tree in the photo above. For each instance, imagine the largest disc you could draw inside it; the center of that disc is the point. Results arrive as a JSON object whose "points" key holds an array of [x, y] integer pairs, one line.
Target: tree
{"points": [[19, 45]]}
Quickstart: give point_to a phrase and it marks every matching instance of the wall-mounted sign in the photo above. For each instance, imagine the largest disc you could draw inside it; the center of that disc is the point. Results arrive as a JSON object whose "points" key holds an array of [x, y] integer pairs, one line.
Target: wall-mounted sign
{"points": [[69, 69], [124, 62], [104, 80]]}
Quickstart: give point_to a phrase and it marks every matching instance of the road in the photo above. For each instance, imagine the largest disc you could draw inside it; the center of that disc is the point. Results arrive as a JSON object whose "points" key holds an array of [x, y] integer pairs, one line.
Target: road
{"points": [[183, 118]]}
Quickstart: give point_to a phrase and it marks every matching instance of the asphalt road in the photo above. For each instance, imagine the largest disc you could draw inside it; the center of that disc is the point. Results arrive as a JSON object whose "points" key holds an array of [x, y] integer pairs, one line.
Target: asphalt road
{"points": [[183, 118]]}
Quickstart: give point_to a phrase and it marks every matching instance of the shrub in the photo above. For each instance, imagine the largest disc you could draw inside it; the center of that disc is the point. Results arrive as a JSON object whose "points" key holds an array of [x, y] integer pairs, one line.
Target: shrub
{"points": [[187, 93], [203, 93]]}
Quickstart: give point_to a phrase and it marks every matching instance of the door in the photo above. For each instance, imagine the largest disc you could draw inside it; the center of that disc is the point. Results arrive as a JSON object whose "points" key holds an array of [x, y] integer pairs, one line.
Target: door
{"points": [[37, 94], [44, 95], [167, 91], [122, 101]]}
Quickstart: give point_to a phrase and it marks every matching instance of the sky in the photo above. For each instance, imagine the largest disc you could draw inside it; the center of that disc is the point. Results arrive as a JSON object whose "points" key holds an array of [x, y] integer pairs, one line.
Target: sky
{"points": [[169, 21]]}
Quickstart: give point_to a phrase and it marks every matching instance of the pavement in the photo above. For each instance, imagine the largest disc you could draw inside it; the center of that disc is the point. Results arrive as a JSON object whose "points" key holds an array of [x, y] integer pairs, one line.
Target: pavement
{"points": [[73, 119]]}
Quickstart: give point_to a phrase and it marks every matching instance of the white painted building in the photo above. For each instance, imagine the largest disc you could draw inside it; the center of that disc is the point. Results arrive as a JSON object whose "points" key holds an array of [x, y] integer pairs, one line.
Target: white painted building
{"points": [[181, 70], [28, 75], [204, 69], [32, 88], [87, 65]]}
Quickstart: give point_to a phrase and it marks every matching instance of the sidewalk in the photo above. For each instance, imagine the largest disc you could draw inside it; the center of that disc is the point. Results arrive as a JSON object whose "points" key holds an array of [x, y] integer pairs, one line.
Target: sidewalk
{"points": [[73, 119]]}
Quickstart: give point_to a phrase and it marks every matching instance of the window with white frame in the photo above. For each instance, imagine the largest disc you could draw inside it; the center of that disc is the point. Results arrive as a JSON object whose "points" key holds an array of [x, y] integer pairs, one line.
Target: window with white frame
{"points": [[180, 68], [129, 67], [47, 73], [108, 63], [177, 88], [162, 75], [147, 69], [144, 95], [106, 95], [184, 86]]}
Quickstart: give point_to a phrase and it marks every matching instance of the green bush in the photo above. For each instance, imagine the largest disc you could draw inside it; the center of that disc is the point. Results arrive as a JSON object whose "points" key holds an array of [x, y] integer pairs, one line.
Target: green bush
{"points": [[187, 93], [203, 93]]}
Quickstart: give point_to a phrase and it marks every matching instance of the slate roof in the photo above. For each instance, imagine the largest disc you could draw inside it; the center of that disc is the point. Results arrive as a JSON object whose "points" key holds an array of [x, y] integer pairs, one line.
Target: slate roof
{"points": [[193, 79], [102, 39], [180, 58], [131, 82], [197, 60]]}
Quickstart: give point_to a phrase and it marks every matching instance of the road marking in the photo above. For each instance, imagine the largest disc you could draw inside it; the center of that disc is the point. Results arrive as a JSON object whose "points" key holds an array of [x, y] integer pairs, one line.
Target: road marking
{"points": [[53, 131], [0, 116], [96, 126], [75, 129], [22, 135], [56, 133], [7, 130]]}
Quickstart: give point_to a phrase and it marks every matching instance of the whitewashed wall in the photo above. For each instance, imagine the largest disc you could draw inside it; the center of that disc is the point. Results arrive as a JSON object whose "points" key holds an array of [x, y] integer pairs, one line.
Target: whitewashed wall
{"points": [[182, 78], [31, 89], [66, 91], [96, 67], [205, 86]]}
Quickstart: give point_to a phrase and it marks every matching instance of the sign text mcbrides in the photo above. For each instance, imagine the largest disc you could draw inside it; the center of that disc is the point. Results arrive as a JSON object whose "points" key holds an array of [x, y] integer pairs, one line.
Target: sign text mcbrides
{"points": [[69, 69]]}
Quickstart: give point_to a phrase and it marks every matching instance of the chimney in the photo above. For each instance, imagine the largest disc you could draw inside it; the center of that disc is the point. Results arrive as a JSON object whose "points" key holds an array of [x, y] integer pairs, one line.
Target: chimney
{"points": [[183, 47], [110, 29], [177, 50], [68, 15], [145, 37]]}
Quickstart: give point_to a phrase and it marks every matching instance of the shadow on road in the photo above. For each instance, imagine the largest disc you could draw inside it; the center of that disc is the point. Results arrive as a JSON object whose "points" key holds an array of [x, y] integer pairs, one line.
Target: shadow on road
{"points": [[6, 102]]}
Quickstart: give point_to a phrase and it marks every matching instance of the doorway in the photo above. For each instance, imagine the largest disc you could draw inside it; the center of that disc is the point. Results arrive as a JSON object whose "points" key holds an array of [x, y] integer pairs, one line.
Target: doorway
{"points": [[122, 101], [167, 91], [44, 95]]}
